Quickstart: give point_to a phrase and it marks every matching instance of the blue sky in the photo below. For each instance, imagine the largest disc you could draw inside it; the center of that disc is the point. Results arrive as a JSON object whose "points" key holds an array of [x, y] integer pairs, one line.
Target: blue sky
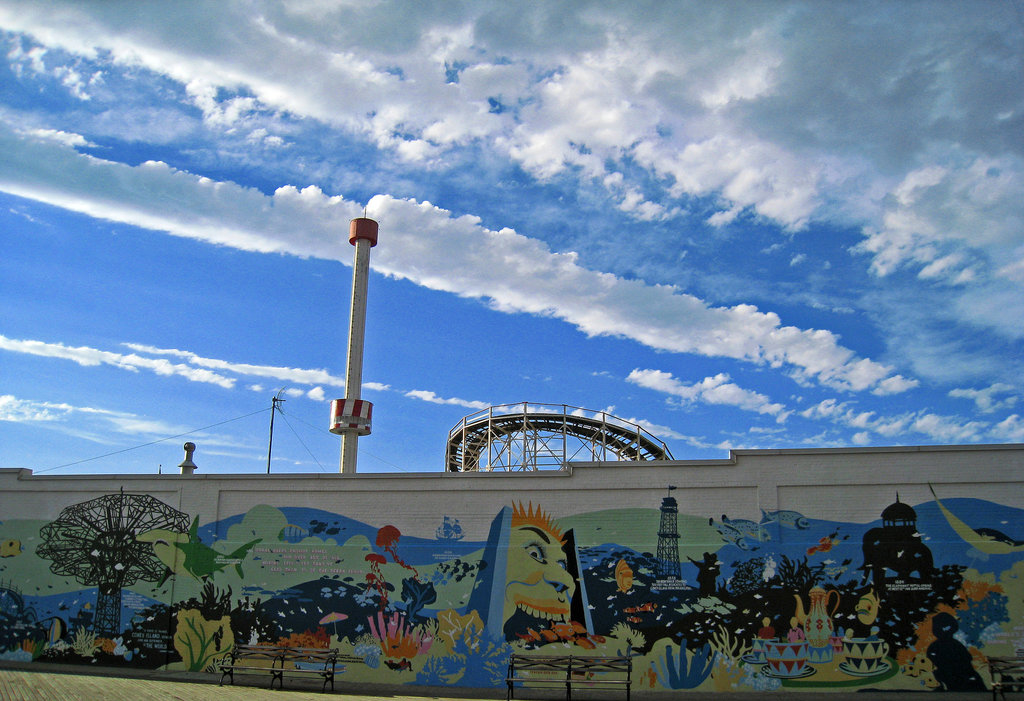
{"points": [[742, 225]]}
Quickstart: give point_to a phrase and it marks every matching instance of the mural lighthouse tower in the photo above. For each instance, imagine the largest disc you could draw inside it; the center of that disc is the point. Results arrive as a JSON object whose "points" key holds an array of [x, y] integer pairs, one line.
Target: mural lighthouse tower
{"points": [[350, 417]]}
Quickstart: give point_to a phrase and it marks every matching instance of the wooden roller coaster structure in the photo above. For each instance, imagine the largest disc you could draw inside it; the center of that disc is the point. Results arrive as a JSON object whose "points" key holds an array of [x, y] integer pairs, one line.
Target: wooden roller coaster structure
{"points": [[528, 437]]}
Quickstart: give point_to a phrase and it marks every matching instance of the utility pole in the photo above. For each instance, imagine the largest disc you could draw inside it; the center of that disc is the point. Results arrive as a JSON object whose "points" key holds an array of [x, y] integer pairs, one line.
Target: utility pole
{"points": [[273, 410]]}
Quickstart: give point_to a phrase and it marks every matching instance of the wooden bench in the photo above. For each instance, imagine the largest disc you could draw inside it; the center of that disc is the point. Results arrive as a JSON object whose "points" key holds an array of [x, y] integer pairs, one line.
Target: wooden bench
{"points": [[1007, 675], [278, 660], [567, 670]]}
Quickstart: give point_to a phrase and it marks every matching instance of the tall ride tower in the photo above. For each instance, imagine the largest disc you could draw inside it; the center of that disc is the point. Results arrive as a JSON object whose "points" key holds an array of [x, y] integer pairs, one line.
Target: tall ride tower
{"points": [[351, 416]]}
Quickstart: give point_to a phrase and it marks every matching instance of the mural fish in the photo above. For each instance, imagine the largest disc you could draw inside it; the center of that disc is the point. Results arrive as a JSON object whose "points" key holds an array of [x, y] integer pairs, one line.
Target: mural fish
{"points": [[867, 608], [738, 531], [786, 519], [987, 540], [642, 608], [10, 548], [623, 576], [530, 635], [196, 559], [729, 534], [824, 545], [747, 528]]}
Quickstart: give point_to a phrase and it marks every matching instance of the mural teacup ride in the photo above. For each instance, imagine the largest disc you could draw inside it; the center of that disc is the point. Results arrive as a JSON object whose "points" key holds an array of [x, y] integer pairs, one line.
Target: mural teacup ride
{"points": [[819, 654], [865, 657], [836, 641], [756, 654], [787, 659]]}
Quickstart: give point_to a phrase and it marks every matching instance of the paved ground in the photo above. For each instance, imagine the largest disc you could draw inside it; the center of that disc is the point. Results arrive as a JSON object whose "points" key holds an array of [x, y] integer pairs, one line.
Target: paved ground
{"points": [[29, 683], [71, 684]]}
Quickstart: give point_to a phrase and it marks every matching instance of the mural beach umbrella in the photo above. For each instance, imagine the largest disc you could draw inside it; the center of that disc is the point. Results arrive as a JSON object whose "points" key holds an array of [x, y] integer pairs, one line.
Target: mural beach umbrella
{"points": [[333, 617]]}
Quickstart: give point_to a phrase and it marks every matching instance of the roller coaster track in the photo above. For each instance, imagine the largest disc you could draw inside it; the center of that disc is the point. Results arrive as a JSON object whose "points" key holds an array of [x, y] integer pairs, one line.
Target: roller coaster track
{"points": [[526, 437]]}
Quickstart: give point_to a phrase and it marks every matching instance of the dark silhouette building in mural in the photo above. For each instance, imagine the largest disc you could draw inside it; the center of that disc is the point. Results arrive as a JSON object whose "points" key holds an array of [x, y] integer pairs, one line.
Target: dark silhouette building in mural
{"points": [[896, 547]]}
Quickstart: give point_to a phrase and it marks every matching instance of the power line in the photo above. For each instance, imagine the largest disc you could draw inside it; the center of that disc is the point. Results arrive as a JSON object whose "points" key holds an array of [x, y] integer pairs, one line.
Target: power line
{"points": [[159, 440], [362, 451], [299, 438]]}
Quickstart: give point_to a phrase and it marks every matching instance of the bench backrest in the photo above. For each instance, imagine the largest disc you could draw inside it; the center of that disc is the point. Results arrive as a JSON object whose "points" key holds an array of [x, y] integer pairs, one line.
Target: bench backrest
{"points": [[288, 653], [1006, 664], [581, 663], [270, 652]]}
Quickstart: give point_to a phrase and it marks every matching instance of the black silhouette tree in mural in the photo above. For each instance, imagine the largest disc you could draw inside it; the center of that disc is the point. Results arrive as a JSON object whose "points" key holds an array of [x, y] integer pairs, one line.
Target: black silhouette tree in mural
{"points": [[96, 543]]}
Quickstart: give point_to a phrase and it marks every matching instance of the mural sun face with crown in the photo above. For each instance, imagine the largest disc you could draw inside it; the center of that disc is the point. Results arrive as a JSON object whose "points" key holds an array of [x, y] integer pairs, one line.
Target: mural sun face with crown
{"points": [[538, 585]]}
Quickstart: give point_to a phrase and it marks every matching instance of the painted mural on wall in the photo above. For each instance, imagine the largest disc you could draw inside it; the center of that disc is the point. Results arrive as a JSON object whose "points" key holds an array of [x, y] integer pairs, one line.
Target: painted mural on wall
{"points": [[914, 600]]}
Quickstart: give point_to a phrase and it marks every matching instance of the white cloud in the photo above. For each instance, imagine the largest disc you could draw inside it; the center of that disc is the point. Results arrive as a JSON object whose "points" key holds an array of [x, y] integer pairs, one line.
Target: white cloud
{"points": [[1010, 429], [936, 427], [429, 246], [662, 432], [519, 274], [197, 369], [949, 222], [894, 385], [757, 104], [282, 374], [62, 137], [960, 225], [21, 410], [986, 398], [136, 425], [711, 390], [723, 218], [91, 357], [948, 429], [861, 438], [428, 396], [18, 410]]}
